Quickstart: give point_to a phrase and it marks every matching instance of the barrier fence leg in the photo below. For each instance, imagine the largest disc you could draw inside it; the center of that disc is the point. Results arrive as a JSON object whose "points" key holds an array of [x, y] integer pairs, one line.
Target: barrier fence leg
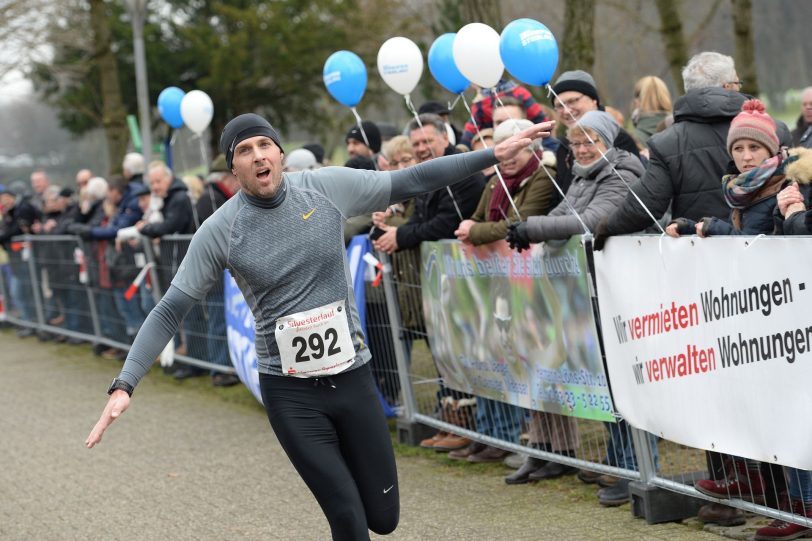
{"points": [[651, 502], [410, 432], [35, 289], [91, 299]]}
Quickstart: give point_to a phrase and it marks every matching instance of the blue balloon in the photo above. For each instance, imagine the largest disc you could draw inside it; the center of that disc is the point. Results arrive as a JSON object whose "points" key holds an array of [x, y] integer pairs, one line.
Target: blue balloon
{"points": [[442, 65], [345, 77], [529, 51], [169, 105]]}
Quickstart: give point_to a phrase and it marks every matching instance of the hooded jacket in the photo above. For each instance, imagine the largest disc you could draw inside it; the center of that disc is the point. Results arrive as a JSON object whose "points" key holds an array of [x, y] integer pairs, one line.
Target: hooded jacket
{"points": [[686, 162], [593, 198], [177, 211]]}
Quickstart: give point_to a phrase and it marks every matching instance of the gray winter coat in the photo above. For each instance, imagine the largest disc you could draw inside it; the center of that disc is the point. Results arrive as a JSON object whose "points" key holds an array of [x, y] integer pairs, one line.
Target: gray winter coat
{"points": [[592, 198], [686, 162]]}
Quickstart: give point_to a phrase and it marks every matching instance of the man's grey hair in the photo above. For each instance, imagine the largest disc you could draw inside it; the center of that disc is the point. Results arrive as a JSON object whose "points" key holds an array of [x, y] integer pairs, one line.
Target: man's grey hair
{"points": [[708, 69], [51, 193], [427, 119], [133, 164], [162, 167], [511, 127]]}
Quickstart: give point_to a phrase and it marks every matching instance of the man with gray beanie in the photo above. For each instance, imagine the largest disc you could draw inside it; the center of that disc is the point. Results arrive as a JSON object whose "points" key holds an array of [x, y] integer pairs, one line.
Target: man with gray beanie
{"points": [[574, 94], [281, 237], [688, 159]]}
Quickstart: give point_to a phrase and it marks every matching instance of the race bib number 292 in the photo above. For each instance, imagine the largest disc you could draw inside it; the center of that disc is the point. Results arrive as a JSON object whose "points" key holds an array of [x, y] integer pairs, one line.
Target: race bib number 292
{"points": [[315, 342]]}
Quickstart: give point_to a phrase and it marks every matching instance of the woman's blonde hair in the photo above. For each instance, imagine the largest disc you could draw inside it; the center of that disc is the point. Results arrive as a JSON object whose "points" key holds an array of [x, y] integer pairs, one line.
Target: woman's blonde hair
{"points": [[652, 95], [399, 144]]}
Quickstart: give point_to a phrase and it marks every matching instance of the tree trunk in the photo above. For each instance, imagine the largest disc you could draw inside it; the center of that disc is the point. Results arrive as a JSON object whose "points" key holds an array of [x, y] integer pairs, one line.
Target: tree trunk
{"points": [[114, 116], [671, 31], [745, 47], [578, 45], [483, 11]]}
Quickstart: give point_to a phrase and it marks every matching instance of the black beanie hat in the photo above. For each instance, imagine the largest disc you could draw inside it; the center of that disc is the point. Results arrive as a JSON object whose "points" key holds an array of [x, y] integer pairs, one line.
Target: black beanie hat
{"points": [[241, 128], [578, 81], [372, 132]]}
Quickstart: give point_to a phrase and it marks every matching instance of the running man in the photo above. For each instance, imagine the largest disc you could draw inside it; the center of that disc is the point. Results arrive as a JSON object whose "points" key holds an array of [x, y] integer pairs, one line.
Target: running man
{"points": [[281, 238]]}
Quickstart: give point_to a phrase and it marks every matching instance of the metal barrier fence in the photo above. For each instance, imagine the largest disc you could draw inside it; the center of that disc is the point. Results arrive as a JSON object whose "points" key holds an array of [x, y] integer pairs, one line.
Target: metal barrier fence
{"points": [[61, 285]]}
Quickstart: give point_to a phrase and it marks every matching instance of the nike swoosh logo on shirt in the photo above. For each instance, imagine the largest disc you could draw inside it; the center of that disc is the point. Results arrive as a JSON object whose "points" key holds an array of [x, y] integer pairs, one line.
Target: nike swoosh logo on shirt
{"points": [[308, 215], [386, 490]]}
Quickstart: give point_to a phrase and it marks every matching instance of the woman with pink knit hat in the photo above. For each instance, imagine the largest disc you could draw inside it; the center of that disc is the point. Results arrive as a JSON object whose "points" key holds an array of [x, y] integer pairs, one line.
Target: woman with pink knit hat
{"points": [[751, 190]]}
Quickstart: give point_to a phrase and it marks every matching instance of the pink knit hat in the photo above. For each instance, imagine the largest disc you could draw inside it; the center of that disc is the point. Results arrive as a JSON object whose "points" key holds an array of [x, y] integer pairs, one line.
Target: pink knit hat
{"points": [[754, 123]]}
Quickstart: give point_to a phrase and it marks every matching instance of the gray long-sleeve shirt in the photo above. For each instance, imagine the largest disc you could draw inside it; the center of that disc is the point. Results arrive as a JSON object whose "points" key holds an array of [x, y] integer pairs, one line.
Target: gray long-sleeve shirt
{"points": [[287, 253]]}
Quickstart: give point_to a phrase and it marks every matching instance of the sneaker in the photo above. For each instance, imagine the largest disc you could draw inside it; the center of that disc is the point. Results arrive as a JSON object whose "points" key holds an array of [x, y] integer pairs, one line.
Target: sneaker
{"points": [[723, 515], [188, 371], [99, 348], [615, 495], [739, 483], [465, 452], [514, 460], [452, 442], [488, 454], [779, 530], [429, 443]]}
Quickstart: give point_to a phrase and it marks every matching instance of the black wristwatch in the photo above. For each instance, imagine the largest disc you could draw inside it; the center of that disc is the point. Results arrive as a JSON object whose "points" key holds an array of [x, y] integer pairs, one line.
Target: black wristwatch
{"points": [[120, 384]]}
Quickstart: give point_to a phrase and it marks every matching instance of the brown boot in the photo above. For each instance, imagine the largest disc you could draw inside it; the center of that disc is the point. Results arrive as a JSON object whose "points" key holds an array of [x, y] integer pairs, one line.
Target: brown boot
{"points": [[429, 443], [451, 442], [722, 515], [465, 452]]}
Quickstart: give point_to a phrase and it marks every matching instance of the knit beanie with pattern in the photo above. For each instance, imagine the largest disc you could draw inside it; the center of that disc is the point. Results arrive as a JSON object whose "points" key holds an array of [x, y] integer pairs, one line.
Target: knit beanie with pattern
{"points": [[754, 123]]}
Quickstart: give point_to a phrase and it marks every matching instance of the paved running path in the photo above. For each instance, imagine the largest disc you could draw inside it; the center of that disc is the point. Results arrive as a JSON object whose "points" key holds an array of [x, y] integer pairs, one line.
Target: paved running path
{"points": [[188, 462]]}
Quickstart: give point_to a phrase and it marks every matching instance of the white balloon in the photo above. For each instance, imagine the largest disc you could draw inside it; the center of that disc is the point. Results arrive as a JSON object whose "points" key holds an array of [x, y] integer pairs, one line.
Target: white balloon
{"points": [[476, 54], [400, 64], [197, 110]]}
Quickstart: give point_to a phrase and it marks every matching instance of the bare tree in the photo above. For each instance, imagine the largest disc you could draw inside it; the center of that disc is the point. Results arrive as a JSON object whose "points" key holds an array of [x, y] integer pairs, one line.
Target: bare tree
{"points": [[671, 31], [22, 23], [114, 116], [483, 11], [578, 44], [745, 48]]}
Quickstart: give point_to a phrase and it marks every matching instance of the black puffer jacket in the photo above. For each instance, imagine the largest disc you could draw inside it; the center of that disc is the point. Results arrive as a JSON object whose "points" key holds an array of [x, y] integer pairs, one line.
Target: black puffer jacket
{"points": [[435, 216], [686, 162], [177, 212]]}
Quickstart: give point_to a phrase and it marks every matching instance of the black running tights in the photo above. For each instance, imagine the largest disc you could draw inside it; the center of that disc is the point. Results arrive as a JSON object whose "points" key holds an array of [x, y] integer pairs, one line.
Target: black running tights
{"points": [[335, 434]]}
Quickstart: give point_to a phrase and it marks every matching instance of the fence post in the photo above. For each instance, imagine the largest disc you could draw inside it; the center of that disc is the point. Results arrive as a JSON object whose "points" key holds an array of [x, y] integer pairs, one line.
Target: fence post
{"points": [[149, 253], [653, 503], [35, 285], [409, 431], [86, 249]]}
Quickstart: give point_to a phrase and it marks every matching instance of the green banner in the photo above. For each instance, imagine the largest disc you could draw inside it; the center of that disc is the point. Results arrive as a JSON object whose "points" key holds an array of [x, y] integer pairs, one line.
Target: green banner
{"points": [[518, 328]]}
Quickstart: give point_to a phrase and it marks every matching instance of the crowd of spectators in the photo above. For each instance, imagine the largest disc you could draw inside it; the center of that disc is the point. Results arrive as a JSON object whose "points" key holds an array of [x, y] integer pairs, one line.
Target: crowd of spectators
{"points": [[680, 168]]}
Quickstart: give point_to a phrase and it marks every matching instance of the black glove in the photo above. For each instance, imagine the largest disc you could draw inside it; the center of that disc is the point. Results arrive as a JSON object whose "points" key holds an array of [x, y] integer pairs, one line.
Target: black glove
{"points": [[517, 236], [83, 230], [601, 235], [685, 226]]}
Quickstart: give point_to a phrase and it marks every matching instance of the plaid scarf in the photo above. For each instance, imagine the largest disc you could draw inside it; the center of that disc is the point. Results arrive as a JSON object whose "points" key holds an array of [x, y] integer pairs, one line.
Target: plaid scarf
{"points": [[744, 189]]}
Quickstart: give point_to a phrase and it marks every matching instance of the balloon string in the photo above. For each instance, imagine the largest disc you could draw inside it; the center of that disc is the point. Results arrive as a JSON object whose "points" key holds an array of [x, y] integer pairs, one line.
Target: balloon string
{"points": [[549, 175], [363, 133], [568, 111], [495, 167], [411, 108], [452, 104]]}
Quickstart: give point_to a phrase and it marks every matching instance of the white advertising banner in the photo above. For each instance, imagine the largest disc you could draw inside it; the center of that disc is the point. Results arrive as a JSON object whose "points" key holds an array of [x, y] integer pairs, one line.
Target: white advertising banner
{"points": [[708, 341]]}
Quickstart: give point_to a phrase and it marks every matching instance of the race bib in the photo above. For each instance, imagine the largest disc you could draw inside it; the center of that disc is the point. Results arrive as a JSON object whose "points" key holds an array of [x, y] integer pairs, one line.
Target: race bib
{"points": [[316, 342]]}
